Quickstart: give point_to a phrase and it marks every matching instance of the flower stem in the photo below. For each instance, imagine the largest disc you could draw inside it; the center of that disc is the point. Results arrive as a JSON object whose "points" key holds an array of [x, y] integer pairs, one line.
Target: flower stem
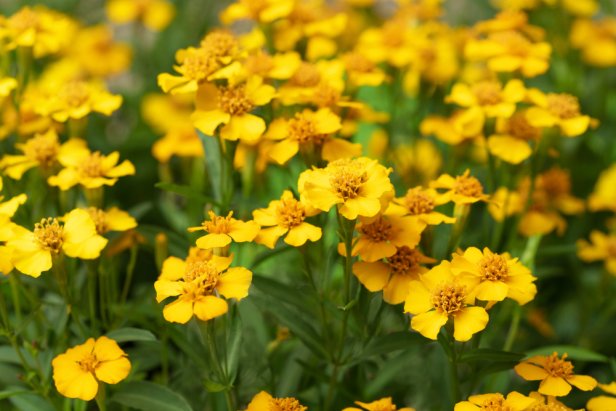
{"points": [[210, 337], [100, 398], [453, 369]]}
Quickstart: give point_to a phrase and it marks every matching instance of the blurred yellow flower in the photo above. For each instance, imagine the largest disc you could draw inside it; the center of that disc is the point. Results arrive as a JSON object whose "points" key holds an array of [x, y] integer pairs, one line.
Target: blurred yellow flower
{"points": [[98, 54], [462, 189], [41, 151], [358, 187], [603, 196], [198, 283], [596, 40], [35, 251], [555, 373], [154, 14], [603, 402], [601, 247], [511, 138], [265, 402], [78, 372], [496, 401], [9, 208], [361, 71], [384, 404], [221, 231], [112, 219], [7, 84], [286, 217], [262, 11], [505, 203], [557, 110], [421, 202], [548, 403], [417, 163]]}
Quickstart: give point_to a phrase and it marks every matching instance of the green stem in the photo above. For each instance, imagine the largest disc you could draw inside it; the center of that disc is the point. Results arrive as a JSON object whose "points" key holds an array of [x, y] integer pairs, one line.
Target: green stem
{"points": [[15, 291], [210, 337], [453, 369], [92, 280], [461, 212], [100, 398], [130, 270], [513, 328]]}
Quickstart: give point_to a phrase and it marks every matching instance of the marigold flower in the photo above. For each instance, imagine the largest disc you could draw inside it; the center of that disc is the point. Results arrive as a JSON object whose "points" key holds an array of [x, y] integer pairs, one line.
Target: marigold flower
{"points": [[222, 230], [462, 189], [78, 372], [197, 283], [453, 130], [34, 251], [359, 187], [231, 107], [547, 403], [260, 11], [603, 402], [496, 401], [511, 139], [154, 14], [505, 203], [112, 219], [439, 296], [421, 202], [97, 53], [9, 208], [557, 110], [601, 247], [286, 216], [603, 196], [500, 276], [41, 151], [555, 373], [90, 169], [265, 402], [384, 404], [362, 71], [418, 163], [596, 40], [393, 274]]}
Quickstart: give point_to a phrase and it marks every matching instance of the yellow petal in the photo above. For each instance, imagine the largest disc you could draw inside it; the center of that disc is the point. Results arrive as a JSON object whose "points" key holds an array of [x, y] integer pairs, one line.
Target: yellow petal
{"points": [[209, 241], [509, 149], [179, 311], [209, 307], [243, 231], [246, 127], [298, 235], [373, 276], [260, 402], [429, 324], [113, 371], [555, 386], [269, 236], [468, 322], [208, 121], [530, 372], [601, 403], [166, 288], [583, 382], [234, 283]]}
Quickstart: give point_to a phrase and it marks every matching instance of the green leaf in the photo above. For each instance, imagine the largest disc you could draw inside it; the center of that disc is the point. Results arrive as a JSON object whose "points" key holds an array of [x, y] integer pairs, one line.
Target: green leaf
{"points": [[385, 344], [148, 396], [487, 354], [234, 343], [213, 162], [574, 353], [186, 191], [13, 393], [8, 355], [444, 343], [31, 402], [281, 292], [131, 334], [214, 386]]}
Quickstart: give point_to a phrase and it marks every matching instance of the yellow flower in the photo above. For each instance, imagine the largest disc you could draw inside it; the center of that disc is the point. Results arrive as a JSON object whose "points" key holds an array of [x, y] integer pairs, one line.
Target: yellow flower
{"points": [[601, 247], [7, 84], [112, 219], [361, 71], [556, 375], [9, 208], [384, 404], [154, 14], [500, 276], [358, 187], [258, 10], [41, 151], [421, 202], [88, 169], [286, 216], [603, 196], [547, 403], [34, 251], [513, 402], [321, 84], [197, 283], [505, 203], [265, 402], [462, 189], [97, 53], [603, 402], [391, 43], [453, 130], [221, 231], [309, 131], [79, 370], [510, 141], [596, 39], [557, 110], [231, 107], [440, 296], [417, 163], [392, 275]]}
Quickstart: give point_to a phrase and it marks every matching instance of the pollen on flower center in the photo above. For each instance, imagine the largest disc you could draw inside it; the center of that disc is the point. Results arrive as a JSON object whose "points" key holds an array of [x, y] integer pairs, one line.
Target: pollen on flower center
{"points": [[611, 247], [347, 178], [493, 268], [563, 105], [219, 44], [418, 202], [487, 92], [326, 96], [378, 231], [519, 127], [496, 403], [260, 64], [43, 150], [100, 221], [286, 404], [202, 277], [92, 166], [449, 299], [89, 363], [290, 213], [404, 261], [49, 234], [74, 93], [556, 182], [24, 19], [306, 75], [467, 185], [552, 406], [218, 224], [234, 101], [303, 129], [558, 367], [197, 65], [357, 62]]}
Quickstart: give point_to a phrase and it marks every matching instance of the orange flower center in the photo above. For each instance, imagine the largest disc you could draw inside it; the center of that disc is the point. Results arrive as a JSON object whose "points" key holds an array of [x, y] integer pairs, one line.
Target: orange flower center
{"points": [[260, 64], [487, 92], [89, 363], [493, 268], [563, 105], [378, 231], [74, 93], [43, 150], [49, 234], [92, 166], [290, 213], [233, 100], [23, 20], [519, 127], [219, 44], [347, 178], [495, 403], [449, 299], [303, 129], [418, 202], [555, 182], [468, 186], [286, 404], [551, 406], [198, 64], [393, 35], [405, 261], [358, 62], [611, 246], [306, 75], [218, 224], [558, 367], [99, 218], [326, 96], [201, 277]]}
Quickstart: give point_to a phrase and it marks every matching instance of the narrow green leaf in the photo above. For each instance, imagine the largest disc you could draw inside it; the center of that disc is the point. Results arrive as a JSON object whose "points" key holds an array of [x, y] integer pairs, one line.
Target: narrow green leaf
{"points": [[13, 393], [131, 334], [279, 291], [234, 343], [31, 402], [186, 191], [148, 396], [386, 344], [214, 386], [487, 354], [574, 353], [213, 162]]}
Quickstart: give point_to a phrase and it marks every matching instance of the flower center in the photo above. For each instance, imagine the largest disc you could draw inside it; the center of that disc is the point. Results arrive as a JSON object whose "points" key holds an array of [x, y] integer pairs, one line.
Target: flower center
{"points": [[92, 166], [88, 363], [306, 75], [286, 404], [515, 42], [487, 92], [218, 224], [611, 246], [219, 44], [326, 96], [418, 202], [290, 213], [519, 127], [74, 93], [198, 64], [100, 221], [405, 261], [563, 105], [49, 234], [556, 182], [495, 403], [234, 101], [42, 149], [358, 62], [303, 129], [260, 64], [201, 276], [468, 186], [449, 299], [558, 367], [493, 268], [378, 231], [551, 406], [393, 35], [347, 178], [24, 19]]}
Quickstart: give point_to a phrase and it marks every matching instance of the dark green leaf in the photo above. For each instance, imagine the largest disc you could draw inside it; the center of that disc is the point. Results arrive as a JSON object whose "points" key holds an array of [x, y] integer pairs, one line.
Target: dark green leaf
{"points": [[148, 396], [13, 393], [281, 292], [574, 353], [487, 354], [385, 344], [131, 334], [214, 386], [31, 402], [186, 191]]}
